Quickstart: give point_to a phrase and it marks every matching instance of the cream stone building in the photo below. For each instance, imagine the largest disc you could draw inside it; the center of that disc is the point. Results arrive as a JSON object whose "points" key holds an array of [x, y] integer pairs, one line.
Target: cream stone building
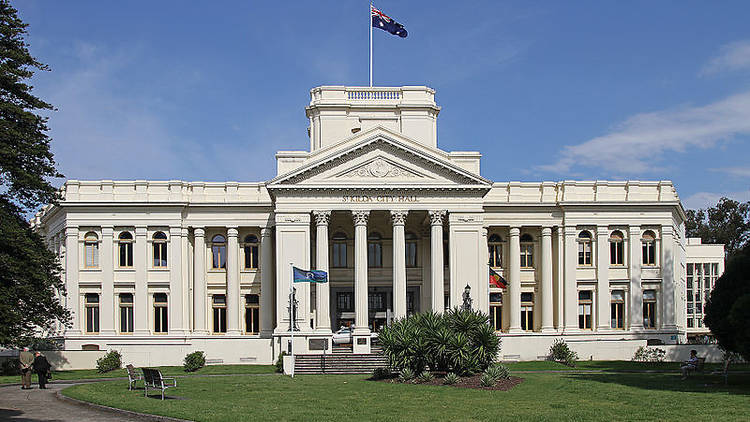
{"points": [[157, 269]]}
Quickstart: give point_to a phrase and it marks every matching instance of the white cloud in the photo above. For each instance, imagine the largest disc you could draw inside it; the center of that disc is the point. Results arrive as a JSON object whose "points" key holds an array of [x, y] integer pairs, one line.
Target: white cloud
{"points": [[734, 171], [636, 145], [708, 199], [732, 56]]}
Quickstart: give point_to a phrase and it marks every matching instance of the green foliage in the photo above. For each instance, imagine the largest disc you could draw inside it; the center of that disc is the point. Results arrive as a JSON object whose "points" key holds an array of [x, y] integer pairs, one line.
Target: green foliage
{"points": [[645, 354], [727, 312], [10, 367], [280, 362], [560, 352], [424, 377], [405, 375], [194, 361], [451, 378], [458, 340], [29, 273], [109, 362], [498, 371], [381, 373], [727, 223], [487, 380]]}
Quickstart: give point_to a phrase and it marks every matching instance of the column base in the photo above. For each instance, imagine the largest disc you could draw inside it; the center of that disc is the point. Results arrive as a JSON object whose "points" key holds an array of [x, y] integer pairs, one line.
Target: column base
{"points": [[200, 332], [603, 328], [141, 332], [517, 330], [572, 330], [548, 330], [234, 332]]}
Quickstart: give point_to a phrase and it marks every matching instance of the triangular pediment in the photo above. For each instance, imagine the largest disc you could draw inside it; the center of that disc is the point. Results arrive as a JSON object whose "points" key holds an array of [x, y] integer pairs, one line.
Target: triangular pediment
{"points": [[379, 158]]}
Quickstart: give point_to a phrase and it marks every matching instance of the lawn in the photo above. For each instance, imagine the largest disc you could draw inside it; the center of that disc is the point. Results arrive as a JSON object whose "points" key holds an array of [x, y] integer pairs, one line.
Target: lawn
{"points": [[583, 395], [166, 370]]}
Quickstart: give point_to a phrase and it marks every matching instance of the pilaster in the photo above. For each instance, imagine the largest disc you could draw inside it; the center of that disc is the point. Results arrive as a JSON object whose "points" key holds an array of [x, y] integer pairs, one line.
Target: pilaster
{"points": [[199, 282], [570, 310], [233, 285], [602, 277], [547, 288], [107, 308], [267, 300], [72, 267], [636, 290], [140, 261], [514, 282], [176, 322]]}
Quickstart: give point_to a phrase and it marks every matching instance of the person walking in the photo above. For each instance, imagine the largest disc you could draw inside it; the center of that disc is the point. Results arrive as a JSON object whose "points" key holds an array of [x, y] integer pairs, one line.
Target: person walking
{"points": [[27, 359], [41, 367]]}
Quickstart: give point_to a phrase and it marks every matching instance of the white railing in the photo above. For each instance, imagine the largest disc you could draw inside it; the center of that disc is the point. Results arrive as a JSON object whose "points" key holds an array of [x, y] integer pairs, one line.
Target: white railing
{"points": [[373, 95]]}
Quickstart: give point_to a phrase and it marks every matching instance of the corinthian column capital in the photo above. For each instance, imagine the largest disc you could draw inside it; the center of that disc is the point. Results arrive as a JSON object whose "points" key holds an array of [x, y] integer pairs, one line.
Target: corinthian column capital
{"points": [[360, 217], [398, 217], [322, 218], [436, 217]]}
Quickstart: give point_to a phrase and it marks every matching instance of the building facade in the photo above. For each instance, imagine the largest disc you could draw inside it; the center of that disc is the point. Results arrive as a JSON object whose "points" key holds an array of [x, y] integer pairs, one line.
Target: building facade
{"points": [[705, 264], [157, 269]]}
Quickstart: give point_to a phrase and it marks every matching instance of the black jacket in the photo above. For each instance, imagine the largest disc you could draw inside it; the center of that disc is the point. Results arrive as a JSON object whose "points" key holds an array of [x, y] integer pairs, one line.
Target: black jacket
{"points": [[41, 364]]}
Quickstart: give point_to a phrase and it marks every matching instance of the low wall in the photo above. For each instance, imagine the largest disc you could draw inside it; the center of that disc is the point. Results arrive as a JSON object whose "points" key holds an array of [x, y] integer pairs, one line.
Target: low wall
{"points": [[681, 352], [526, 348]]}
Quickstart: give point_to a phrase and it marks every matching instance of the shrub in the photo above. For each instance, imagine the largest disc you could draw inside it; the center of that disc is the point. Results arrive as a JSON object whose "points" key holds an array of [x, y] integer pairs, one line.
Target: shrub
{"points": [[381, 373], [10, 367], [487, 380], [560, 352], [194, 361], [425, 377], [451, 378], [280, 362], [498, 371], [645, 354], [109, 362], [457, 340], [405, 375]]}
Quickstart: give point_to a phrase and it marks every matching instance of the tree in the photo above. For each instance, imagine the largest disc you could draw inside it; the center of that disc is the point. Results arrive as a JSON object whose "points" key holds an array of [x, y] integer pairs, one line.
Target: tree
{"points": [[728, 222], [728, 309], [29, 272]]}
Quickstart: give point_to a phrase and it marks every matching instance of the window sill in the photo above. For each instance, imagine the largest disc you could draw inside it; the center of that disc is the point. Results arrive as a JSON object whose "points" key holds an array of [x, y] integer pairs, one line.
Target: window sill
{"points": [[125, 270], [90, 270], [617, 266], [249, 270], [159, 269], [217, 270], [585, 267]]}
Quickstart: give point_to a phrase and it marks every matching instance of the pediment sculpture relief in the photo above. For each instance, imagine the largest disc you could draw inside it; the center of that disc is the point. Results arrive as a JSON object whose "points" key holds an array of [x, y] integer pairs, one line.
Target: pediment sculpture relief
{"points": [[379, 168]]}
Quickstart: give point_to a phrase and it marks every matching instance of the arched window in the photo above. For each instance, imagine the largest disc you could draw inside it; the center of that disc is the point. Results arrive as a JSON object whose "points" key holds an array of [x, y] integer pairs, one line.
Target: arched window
{"points": [[91, 250], [339, 250], [527, 251], [160, 249], [496, 251], [648, 241], [374, 250], [616, 248], [250, 250], [411, 249], [125, 242], [584, 248], [219, 252]]}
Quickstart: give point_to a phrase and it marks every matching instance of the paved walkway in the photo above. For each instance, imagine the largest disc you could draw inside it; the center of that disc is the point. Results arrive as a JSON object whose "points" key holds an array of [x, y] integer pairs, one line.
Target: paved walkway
{"points": [[41, 405]]}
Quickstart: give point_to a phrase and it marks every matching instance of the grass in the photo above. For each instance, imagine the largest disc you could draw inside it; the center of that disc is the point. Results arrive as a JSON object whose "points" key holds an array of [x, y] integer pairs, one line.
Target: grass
{"points": [[621, 365], [584, 395], [165, 370]]}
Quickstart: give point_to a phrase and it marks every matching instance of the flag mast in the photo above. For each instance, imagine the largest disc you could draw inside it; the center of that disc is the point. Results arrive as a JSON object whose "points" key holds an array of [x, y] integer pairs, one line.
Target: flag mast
{"points": [[369, 13]]}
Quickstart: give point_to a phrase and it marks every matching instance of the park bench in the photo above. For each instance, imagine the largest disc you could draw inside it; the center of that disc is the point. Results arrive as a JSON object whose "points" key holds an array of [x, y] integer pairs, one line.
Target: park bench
{"points": [[132, 377], [724, 371], [699, 366], [152, 378]]}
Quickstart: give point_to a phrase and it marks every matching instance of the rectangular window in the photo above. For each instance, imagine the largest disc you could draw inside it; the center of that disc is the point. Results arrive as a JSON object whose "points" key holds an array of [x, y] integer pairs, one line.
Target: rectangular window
{"points": [[374, 254], [92, 313], [527, 256], [161, 311], [251, 257], [616, 253], [345, 302], [220, 313], [527, 311], [690, 322], [584, 309], [126, 254], [617, 310], [584, 253], [496, 255], [496, 311], [160, 254], [376, 302], [411, 254], [409, 302], [649, 252], [91, 252], [649, 309], [252, 314], [339, 255], [126, 312]]}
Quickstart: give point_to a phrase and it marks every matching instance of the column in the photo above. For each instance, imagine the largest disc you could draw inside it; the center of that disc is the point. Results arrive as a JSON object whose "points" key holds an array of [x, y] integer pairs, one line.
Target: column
{"points": [[266, 282], [570, 294], [140, 262], [361, 330], [107, 308], [436, 261], [547, 289], [668, 279], [635, 312], [233, 284], [399, 263], [199, 282], [185, 284], [71, 278], [176, 325], [322, 290], [602, 277], [514, 280], [560, 279]]}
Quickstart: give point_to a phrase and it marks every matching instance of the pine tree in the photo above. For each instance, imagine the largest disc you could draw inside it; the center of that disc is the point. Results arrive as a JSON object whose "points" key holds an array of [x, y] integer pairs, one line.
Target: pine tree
{"points": [[29, 272]]}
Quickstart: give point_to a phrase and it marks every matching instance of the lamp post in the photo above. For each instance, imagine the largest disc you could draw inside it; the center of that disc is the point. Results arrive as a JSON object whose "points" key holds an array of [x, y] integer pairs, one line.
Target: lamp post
{"points": [[467, 298]]}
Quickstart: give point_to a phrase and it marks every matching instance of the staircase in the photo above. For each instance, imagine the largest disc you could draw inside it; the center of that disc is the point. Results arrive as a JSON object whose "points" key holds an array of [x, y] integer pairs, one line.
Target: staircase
{"points": [[339, 363]]}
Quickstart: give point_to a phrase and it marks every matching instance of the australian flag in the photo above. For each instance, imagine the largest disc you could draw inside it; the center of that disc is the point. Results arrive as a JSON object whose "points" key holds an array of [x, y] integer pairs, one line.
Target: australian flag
{"points": [[380, 20]]}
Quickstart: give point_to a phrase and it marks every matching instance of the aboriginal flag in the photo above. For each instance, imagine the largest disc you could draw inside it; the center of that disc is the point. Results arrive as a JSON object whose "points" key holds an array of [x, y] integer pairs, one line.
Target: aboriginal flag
{"points": [[496, 280]]}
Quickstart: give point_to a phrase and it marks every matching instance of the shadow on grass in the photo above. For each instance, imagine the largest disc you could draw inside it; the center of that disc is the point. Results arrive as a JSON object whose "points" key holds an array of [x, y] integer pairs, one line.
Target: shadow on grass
{"points": [[695, 383]]}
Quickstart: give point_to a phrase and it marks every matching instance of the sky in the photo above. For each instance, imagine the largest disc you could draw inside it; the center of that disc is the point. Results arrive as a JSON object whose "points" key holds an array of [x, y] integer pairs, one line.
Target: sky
{"points": [[545, 90]]}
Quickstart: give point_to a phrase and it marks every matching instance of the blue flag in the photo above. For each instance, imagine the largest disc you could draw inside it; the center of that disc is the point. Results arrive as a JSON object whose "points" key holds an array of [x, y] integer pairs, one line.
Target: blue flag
{"points": [[380, 20], [311, 276]]}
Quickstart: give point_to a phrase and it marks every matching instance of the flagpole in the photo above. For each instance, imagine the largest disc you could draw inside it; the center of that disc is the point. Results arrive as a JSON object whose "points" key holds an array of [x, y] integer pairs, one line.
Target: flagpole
{"points": [[291, 314], [369, 13]]}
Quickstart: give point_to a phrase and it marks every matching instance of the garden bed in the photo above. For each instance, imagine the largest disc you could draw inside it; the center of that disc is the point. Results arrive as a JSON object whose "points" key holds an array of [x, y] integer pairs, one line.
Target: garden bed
{"points": [[472, 381]]}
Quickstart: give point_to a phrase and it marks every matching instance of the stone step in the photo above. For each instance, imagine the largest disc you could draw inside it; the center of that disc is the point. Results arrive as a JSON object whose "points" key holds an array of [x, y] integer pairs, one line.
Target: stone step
{"points": [[348, 363]]}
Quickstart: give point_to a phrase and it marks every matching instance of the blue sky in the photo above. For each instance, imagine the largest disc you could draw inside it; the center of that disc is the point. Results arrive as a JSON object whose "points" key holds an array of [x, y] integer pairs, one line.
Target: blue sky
{"points": [[545, 90]]}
